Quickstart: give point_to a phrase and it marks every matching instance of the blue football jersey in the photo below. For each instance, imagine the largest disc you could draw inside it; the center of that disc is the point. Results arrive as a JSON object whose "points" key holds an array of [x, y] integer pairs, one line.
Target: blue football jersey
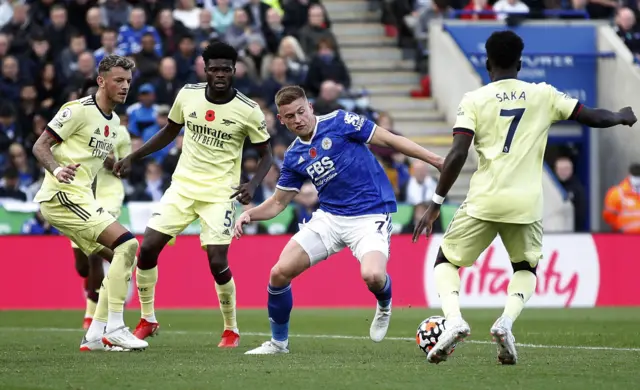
{"points": [[349, 179]]}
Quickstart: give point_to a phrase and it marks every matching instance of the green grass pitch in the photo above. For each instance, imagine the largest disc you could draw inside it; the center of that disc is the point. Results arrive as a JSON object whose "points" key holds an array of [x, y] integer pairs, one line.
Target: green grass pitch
{"points": [[559, 349]]}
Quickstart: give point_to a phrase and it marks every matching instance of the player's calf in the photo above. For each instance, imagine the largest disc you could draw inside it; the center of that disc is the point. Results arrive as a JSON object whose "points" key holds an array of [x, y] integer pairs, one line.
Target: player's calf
{"points": [[226, 291], [373, 271], [293, 261], [146, 280]]}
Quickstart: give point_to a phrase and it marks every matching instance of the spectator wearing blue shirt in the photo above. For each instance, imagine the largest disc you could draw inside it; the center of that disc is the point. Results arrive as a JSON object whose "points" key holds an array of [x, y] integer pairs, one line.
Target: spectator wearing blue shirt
{"points": [[185, 58], [162, 117], [10, 85], [143, 113], [130, 36], [109, 38]]}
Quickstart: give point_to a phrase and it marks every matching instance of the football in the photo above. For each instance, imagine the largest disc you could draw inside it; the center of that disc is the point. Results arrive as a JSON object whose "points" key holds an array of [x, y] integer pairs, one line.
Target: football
{"points": [[429, 331]]}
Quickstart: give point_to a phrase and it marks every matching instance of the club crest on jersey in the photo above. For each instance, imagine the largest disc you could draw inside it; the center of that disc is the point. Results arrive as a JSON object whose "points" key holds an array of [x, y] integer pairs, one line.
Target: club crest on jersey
{"points": [[313, 153], [326, 143], [210, 116], [106, 131], [227, 122]]}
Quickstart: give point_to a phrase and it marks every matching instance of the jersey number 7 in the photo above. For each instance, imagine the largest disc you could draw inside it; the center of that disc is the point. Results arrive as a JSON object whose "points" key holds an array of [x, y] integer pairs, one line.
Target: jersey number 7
{"points": [[516, 114]]}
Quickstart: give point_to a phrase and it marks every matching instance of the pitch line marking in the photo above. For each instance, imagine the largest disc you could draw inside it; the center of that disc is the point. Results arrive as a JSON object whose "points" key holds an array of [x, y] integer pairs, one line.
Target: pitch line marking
{"points": [[333, 337]]}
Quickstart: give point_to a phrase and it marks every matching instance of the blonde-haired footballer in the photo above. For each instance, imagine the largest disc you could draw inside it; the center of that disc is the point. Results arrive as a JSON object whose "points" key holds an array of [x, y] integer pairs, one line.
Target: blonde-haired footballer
{"points": [[109, 192], [74, 147], [217, 120], [508, 121]]}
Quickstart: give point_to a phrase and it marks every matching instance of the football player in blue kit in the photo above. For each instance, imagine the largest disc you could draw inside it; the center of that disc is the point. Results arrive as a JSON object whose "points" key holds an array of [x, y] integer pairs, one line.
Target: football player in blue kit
{"points": [[356, 202]]}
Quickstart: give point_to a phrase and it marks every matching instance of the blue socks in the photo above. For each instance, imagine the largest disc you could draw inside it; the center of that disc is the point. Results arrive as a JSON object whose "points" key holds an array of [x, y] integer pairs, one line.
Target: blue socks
{"points": [[280, 304], [384, 295]]}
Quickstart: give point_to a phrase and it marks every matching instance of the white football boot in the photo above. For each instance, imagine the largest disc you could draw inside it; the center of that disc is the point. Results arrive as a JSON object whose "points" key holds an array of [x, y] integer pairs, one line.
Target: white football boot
{"points": [[380, 323], [123, 338], [505, 341], [98, 345], [456, 330], [270, 347]]}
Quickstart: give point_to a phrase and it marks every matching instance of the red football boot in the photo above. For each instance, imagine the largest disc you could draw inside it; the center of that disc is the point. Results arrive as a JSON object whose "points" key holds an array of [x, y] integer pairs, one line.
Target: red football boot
{"points": [[146, 329], [230, 339]]}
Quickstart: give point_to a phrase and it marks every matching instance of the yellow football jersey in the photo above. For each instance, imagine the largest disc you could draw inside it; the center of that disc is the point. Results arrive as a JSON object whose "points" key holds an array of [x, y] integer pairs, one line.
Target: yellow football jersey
{"points": [[85, 136], [214, 135], [510, 120], [108, 185]]}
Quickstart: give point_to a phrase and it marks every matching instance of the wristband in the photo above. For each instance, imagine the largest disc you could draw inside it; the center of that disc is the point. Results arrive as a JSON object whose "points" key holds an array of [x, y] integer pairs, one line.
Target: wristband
{"points": [[56, 171], [437, 199]]}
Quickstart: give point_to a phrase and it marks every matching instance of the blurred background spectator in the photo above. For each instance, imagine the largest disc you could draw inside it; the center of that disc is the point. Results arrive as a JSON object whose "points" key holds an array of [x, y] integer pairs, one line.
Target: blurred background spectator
{"points": [[49, 49], [575, 191]]}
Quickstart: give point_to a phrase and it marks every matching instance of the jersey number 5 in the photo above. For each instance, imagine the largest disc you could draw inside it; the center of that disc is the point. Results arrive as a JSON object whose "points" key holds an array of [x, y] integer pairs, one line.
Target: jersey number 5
{"points": [[516, 114]]}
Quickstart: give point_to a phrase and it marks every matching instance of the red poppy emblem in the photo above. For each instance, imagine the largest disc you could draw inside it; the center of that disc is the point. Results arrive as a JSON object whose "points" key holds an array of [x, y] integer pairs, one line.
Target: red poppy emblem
{"points": [[106, 131], [210, 116], [313, 152]]}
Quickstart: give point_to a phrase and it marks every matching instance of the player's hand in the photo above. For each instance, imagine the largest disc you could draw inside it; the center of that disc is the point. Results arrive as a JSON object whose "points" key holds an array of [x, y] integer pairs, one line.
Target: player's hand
{"points": [[244, 193], [241, 221], [427, 220], [627, 116], [122, 168], [67, 174]]}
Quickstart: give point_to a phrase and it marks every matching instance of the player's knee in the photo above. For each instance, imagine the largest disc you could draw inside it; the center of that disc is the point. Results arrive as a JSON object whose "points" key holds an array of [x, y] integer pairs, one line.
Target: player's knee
{"points": [[373, 277], [524, 266], [149, 253], [279, 277], [127, 246], [217, 259]]}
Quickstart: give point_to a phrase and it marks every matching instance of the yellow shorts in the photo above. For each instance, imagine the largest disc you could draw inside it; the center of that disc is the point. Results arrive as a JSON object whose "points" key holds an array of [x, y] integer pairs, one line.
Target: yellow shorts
{"points": [[112, 206], [176, 212], [467, 237], [81, 219]]}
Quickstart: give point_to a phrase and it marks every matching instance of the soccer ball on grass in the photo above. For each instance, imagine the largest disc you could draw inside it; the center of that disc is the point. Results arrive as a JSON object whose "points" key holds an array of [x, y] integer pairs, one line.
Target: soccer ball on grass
{"points": [[429, 331]]}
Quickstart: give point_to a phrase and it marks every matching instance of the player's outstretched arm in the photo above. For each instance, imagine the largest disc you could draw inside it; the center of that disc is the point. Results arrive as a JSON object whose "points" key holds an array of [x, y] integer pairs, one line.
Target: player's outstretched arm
{"points": [[385, 138], [266, 210], [159, 140], [42, 151], [601, 118]]}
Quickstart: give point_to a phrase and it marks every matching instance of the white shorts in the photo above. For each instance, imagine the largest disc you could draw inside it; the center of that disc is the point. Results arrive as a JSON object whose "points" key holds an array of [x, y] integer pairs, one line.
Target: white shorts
{"points": [[327, 234]]}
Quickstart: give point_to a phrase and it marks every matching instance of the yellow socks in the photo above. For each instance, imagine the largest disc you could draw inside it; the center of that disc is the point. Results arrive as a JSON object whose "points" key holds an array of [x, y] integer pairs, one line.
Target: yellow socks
{"points": [[146, 280], [227, 298], [102, 307], [448, 287], [521, 288], [91, 308], [117, 281]]}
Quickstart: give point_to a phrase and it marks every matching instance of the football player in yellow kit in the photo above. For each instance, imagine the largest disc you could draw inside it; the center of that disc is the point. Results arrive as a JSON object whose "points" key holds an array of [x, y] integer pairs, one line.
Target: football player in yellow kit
{"points": [[74, 147], [508, 121], [109, 192], [205, 185]]}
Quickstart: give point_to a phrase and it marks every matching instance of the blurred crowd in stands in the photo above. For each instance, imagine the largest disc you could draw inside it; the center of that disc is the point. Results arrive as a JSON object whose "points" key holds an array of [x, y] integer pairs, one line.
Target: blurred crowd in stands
{"points": [[49, 48], [408, 20]]}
